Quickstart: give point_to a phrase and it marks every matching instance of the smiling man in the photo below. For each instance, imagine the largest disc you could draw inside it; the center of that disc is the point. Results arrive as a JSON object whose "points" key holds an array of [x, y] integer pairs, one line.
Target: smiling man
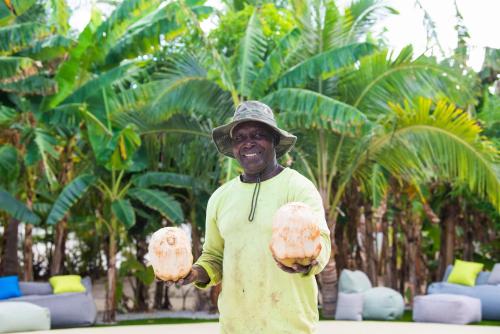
{"points": [[259, 295]]}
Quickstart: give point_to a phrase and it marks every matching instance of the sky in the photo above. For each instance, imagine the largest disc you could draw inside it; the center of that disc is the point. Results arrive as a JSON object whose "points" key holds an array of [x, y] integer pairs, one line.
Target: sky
{"points": [[481, 17]]}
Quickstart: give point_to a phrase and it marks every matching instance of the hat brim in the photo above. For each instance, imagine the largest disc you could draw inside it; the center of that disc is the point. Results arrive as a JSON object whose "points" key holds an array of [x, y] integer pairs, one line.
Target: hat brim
{"points": [[222, 138]]}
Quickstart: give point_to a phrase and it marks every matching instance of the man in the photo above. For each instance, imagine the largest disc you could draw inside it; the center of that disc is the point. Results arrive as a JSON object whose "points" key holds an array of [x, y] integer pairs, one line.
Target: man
{"points": [[259, 295]]}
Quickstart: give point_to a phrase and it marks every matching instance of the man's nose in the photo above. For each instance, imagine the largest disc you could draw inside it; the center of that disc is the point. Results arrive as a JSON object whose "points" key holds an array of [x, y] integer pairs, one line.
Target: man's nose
{"points": [[248, 142]]}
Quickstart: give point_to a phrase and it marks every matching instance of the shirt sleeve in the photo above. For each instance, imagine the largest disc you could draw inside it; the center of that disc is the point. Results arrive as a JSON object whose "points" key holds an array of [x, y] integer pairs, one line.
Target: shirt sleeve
{"points": [[306, 192], [213, 248]]}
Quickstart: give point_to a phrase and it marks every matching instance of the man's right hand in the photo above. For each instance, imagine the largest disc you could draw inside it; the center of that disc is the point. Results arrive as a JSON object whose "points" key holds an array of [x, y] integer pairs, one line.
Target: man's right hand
{"points": [[196, 275]]}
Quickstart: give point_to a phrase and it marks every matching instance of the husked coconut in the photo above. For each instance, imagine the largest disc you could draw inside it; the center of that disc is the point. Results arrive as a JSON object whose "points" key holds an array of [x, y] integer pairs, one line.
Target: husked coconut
{"points": [[295, 235], [170, 253]]}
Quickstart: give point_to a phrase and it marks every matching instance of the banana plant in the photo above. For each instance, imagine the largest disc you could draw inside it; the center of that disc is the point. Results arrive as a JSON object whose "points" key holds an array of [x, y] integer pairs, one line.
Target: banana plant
{"points": [[29, 51]]}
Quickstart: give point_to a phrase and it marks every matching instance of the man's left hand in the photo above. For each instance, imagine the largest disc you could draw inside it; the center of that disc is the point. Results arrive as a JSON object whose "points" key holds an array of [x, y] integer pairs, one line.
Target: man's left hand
{"points": [[297, 268]]}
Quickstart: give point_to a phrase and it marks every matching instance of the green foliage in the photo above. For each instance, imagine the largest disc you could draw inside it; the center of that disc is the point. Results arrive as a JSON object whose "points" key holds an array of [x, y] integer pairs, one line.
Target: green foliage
{"points": [[71, 193], [124, 211], [163, 179], [16, 209], [232, 26], [160, 201]]}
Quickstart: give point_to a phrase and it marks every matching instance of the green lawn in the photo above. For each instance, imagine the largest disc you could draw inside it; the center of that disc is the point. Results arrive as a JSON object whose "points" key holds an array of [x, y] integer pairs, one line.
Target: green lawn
{"points": [[407, 317]]}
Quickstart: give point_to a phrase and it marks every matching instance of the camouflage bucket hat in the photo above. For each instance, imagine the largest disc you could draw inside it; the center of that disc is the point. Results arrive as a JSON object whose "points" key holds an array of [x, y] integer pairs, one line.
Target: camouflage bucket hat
{"points": [[246, 112]]}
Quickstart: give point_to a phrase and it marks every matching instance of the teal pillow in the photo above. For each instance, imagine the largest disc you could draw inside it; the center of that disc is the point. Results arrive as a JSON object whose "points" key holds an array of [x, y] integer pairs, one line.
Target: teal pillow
{"points": [[465, 272], [66, 283], [9, 287]]}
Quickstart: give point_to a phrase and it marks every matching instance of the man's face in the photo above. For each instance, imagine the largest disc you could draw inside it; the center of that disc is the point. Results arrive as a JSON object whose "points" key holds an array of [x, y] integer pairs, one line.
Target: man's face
{"points": [[253, 146]]}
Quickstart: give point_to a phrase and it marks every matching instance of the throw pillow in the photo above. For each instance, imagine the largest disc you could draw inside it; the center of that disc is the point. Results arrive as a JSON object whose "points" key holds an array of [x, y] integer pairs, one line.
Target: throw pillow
{"points": [[349, 306], [9, 287], [353, 281], [465, 272], [495, 275], [66, 283]]}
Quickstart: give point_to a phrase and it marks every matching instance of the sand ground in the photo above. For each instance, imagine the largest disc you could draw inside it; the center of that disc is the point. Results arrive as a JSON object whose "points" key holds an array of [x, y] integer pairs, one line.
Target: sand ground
{"points": [[325, 327]]}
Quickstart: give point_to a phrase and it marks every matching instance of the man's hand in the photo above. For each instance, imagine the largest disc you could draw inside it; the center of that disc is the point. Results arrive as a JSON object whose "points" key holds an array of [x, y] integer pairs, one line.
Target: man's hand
{"points": [[197, 274], [297, 268]]}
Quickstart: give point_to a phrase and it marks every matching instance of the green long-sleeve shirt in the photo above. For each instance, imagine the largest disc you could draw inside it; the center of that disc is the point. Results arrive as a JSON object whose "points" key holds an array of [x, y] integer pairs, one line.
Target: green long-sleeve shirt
{"points": [[257, 296]]}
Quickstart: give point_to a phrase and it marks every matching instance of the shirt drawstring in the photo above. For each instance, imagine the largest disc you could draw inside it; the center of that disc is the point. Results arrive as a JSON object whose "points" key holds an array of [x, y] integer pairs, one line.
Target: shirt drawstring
{"points": [[255, 196]]}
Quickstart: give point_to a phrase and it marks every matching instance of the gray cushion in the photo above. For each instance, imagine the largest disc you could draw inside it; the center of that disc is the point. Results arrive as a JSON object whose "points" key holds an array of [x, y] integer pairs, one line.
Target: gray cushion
{"points": [[487, 293], [382, 303], [495, 275], [349, 306], [353, 281], [66, 309], [445, 308], [23, 317], [35, 288]]}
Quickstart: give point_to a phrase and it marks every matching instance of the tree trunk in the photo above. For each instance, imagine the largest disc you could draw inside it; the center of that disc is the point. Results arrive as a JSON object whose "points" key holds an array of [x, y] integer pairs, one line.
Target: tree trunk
{"points": [[157, 304], [361, 239], [329, 278], [10, 261], [28, 253], [61, 234], [57, 264], [110, 312], [329, 281], [447, 249], [142, 290], [371, 253]]}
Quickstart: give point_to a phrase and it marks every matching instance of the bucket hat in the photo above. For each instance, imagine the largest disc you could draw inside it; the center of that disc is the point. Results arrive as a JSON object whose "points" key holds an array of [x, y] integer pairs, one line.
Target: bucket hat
{"points": [[246, 112]]}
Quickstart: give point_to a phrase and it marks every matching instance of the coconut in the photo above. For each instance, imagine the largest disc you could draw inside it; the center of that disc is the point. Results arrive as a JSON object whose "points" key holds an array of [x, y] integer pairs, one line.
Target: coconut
{"points": [[170, 254], [295, 234]]}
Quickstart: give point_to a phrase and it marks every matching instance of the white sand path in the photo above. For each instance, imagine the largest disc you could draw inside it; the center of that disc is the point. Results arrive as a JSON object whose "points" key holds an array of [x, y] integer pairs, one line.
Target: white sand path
{"points": [[325, 327]]}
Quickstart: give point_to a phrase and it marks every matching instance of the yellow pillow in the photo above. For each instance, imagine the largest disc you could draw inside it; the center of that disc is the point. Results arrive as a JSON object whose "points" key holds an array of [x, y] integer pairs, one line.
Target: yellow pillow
{"points": [[66, 283], [465, 273]]}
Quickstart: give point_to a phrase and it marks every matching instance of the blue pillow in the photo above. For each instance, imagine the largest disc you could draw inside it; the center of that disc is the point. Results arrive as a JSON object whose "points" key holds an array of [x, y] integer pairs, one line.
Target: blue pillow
{"points": [[9, 287]]}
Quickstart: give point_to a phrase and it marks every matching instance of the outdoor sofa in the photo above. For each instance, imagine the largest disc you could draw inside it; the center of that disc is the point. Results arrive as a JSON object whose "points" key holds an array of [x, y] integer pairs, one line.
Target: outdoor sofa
{"points": [[488, 294], [74, 309]]}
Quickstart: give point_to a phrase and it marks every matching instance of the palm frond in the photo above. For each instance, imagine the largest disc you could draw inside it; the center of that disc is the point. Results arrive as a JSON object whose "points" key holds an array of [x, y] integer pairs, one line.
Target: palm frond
{"points": [[274, 63], [45, 143], [313, 68], [250, 53], [68, 197], [32, 85], [442, 142], [71, 74], [160, 201], [14, 38], [379, 80], [331, 27], [360, 18], [16, 68], [145, 36], [52, 47], [194, 94], [16, 209], [126, 14], [105, 80], [301, 108], [177, 124]]}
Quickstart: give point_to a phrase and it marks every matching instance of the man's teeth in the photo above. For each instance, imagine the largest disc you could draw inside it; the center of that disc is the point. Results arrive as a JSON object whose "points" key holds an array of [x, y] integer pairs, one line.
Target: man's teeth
{"points": [[250, 155]]}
